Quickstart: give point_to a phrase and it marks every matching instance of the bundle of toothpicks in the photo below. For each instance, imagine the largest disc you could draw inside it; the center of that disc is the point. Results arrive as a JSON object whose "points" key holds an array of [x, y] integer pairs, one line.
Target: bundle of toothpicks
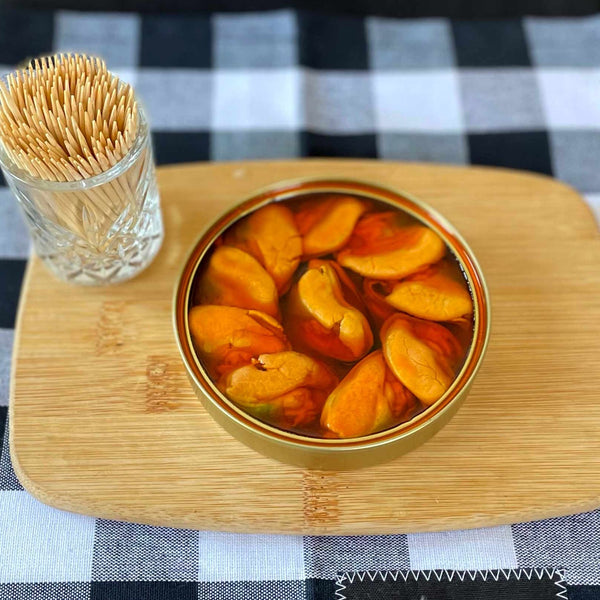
{"points": [[67, 118]]}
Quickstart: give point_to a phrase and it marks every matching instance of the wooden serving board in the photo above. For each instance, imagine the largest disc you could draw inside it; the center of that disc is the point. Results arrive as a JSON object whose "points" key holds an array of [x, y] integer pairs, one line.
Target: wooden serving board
{"points": [[104, 421]]}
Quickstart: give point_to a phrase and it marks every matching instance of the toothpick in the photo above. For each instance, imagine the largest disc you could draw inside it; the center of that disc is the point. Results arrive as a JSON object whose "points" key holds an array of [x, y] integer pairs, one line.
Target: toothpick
{"points": [[67, 118]]}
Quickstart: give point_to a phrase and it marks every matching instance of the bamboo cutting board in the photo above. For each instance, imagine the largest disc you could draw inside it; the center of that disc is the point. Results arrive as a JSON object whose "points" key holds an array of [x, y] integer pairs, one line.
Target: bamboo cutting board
{"points": [[104, 422]]}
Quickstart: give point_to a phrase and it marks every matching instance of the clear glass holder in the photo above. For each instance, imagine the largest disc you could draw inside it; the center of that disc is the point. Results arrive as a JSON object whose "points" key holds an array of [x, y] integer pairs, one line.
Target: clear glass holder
{"points": [[95, 231]]}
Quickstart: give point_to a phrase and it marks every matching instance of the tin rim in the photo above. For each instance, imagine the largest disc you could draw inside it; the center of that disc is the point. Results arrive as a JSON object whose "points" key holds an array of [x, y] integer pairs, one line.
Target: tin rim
{"points": [[286, 190]]}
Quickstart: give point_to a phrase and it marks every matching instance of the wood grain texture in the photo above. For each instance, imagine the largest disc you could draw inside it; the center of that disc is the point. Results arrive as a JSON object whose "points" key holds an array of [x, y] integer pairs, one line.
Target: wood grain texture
{"points": [[104, 421]]}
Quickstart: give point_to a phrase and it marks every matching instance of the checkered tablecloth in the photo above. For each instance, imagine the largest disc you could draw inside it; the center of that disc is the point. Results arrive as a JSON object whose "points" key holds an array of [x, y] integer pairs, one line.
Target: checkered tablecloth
{"points": [[519, 93]]}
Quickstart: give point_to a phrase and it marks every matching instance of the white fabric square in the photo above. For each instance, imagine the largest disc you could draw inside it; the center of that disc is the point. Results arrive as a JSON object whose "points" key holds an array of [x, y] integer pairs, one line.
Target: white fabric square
{"points": [[575, 155], [327, 91], [6, 346], [39, 543], [254, 40], [570, 42], [176, 99], [245, 557], [489, 548], [409, 43], [570, 97], [500, 100], [594, 201], [413, 102], [113, 36], [14, 239], [127, 75], [256, 99]]}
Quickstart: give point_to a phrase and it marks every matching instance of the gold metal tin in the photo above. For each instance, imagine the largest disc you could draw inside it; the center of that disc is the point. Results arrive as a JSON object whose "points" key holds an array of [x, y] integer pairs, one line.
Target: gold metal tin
{"points": [[333, 454]]}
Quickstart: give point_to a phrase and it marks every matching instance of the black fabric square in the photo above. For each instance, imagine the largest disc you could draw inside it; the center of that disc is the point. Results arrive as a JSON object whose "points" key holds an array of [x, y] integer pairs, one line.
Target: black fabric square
{"points": [[583, 592], [501, 584], [525, 150], [332, 42], [144, 590], [320, 589], [176, 147], [499, 43], [350, 146], [24, 34], [173, 40], [11, 276]]}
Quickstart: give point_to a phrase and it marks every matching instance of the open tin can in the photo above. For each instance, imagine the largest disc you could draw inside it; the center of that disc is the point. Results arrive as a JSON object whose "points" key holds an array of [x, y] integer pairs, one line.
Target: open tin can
{"points": [[321, 452]]}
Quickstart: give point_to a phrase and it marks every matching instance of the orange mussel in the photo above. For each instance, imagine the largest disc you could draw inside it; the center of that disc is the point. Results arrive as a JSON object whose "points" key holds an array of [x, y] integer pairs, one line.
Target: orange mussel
{"points": [[227, 337], [437, 293], [326, 224], [321, 316], [270, 235], [387, 245], [423, 355], [235, 278], [288, 387], [367, 400]]}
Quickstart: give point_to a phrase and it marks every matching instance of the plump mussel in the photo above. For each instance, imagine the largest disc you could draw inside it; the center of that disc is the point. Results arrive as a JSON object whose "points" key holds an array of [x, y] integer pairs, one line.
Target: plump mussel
{"points": [[437, 293], [235, 278], [326, 224], [423, 355], [227, 337], [322, 314], [386, 245], [287, 388], [368, 399], [270, 235]]}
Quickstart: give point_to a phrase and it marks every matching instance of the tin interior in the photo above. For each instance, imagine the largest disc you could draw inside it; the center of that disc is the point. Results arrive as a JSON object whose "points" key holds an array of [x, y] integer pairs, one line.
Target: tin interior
{"points": [[296, 189]]}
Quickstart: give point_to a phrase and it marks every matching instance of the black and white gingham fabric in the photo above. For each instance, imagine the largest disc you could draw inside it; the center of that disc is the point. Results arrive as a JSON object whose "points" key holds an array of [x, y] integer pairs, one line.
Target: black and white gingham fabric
{"points": [[518, 93]]}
